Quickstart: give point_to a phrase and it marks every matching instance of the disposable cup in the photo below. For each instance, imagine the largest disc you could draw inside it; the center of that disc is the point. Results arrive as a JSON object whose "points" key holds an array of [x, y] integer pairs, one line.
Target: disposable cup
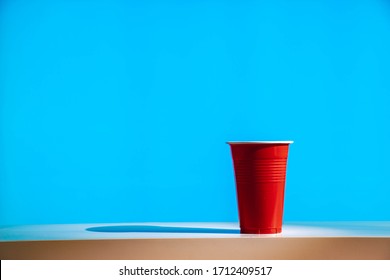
{"points": [[260, 174]]}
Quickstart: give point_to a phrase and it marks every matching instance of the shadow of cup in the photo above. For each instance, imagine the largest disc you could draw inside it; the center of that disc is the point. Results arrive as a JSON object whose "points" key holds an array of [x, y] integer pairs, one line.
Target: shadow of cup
{"points": [[161, 229]]}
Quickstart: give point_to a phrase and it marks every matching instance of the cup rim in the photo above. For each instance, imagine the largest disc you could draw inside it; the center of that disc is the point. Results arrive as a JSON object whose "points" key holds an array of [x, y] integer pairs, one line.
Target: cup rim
{"points": [[259, 142]]}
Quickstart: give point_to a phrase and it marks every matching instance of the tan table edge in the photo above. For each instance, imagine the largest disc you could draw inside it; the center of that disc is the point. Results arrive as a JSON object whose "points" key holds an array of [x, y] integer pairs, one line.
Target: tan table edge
{"points": [[294, 248]]}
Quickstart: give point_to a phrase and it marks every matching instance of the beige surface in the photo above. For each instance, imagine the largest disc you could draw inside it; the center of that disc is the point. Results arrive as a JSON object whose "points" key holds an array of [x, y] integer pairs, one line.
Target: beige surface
{"points": [[245, 248], [370, 240]]}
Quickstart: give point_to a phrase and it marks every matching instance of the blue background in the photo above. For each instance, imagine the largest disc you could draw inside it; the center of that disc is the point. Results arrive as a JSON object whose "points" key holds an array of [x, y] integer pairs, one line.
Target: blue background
{"points": [[118, 111]]}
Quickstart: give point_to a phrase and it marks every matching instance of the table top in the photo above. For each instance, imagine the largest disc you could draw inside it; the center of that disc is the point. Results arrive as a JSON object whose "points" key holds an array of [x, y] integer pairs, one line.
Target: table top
{"points": [[300, 240], [187, 230]]}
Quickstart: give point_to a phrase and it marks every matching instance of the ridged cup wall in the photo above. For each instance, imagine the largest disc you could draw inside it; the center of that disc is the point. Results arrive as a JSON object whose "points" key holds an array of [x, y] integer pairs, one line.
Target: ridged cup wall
{"points": [[260, 173]]}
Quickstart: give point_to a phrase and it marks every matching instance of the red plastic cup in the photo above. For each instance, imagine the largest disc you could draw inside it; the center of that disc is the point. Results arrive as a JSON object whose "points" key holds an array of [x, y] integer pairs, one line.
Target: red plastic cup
{"points": [[260, 172]]}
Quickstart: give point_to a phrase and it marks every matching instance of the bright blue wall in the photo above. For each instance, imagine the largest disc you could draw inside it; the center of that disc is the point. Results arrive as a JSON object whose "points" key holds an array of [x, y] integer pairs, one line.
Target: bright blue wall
{"points": [[118, 111]]}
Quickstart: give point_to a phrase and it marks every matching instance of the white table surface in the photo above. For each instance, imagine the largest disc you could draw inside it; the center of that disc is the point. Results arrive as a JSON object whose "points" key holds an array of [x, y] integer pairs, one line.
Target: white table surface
{"points": [[300, 240], [187, 230]]}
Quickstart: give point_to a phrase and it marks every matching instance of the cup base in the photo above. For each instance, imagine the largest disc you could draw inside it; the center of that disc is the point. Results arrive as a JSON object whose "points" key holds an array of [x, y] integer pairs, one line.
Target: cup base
{"points": [[261, 230]]}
